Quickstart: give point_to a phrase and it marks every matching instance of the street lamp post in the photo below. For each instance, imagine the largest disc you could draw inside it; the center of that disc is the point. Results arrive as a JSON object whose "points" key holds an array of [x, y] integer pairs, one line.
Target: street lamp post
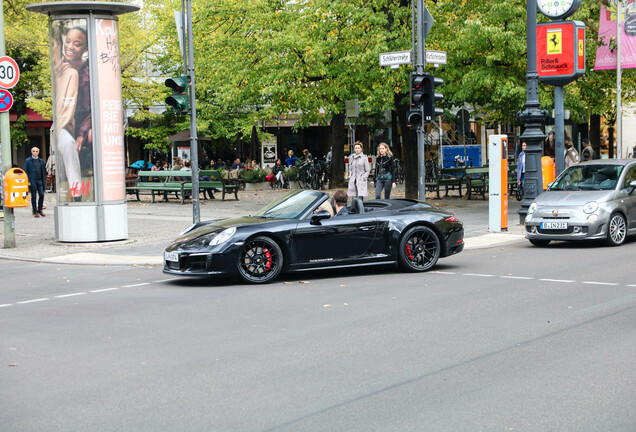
{"points": [[532, 117]]}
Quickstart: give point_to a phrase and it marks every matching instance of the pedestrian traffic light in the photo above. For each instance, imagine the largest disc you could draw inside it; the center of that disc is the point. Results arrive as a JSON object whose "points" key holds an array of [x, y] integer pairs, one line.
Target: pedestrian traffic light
{"points": [[414, 116], [431, 97], [179, 99]]}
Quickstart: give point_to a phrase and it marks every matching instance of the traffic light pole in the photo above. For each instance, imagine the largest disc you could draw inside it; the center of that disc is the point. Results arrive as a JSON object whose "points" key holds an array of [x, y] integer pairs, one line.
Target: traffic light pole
{"points": [[194, 146], [421, 60]]}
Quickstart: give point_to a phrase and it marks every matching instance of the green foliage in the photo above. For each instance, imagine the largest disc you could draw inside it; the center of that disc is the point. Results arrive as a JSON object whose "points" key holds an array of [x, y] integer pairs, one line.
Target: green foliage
{"points": [[253, 175], [18, 132], [291, 173]]}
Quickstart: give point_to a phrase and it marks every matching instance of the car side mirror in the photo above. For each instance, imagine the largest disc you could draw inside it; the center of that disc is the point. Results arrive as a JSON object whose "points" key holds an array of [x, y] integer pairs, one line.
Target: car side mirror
{"points": [[318, 216], [549, 185], [632, 185]]}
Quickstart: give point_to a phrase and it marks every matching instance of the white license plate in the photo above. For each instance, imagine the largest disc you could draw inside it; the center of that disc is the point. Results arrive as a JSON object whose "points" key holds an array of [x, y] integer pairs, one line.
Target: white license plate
{"points": [[554, 225], [171, 256]]}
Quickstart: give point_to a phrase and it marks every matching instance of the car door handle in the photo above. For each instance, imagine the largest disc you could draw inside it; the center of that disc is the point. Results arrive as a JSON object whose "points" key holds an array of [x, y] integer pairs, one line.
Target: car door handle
{"points": [[367, 228]]}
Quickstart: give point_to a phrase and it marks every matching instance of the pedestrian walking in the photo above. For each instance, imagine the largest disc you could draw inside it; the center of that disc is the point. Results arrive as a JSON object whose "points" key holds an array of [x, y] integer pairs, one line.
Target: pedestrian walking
{"points": [[571, 155], [588, 152], [35, 169], [358, 172], [384, 173]]}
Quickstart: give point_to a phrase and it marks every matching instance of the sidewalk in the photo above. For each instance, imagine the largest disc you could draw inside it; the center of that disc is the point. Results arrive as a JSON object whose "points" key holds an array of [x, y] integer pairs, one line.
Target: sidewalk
{"points": [[152, 226]]}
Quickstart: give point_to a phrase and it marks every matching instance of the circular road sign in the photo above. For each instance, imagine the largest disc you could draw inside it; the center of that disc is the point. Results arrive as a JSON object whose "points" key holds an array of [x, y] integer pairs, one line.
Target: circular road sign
{"points": [[9, 72], [6, 100]]}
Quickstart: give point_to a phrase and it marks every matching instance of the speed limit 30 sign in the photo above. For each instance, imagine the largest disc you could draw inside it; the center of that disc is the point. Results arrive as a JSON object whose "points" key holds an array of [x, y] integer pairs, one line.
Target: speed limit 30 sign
{"points": [[9, 72]]}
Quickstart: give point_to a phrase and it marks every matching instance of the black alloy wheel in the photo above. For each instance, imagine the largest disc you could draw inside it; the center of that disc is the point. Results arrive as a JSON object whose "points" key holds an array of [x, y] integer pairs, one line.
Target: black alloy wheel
{"points": [[616, 230], [419, 249], [260, 260]]}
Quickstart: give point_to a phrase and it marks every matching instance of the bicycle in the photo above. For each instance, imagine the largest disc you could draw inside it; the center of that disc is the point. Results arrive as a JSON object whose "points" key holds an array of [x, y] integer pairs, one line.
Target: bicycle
{"points": [[306, 176], [399, 172]]}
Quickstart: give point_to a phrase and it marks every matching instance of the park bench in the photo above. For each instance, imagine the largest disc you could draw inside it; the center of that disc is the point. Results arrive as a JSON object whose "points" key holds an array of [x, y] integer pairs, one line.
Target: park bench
{"points": [[476, 181], [180, 182]]}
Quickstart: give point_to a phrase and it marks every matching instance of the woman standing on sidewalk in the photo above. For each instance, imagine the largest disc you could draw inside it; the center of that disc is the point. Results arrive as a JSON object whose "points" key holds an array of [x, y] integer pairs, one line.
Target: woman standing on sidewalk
{"points": [[358, 172], [384, 175]]}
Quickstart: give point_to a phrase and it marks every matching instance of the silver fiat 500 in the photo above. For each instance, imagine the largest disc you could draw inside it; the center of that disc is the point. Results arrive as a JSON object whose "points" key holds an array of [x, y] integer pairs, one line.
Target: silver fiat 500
{"points": [[588, 201]]}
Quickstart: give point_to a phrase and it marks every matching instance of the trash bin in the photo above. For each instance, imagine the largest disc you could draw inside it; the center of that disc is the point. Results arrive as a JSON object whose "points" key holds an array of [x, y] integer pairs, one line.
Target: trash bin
{"points": [[548, 169], [16, 188]]}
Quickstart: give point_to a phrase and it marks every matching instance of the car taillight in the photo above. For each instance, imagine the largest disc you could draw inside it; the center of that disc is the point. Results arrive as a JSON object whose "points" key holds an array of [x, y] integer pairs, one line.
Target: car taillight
{"points": [[452, 218]]}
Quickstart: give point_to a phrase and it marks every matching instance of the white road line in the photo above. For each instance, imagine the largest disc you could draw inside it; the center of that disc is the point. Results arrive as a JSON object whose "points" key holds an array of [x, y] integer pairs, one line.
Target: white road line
{"points": [[136, 285], [600, 283], [631, 285], [5, 305], [104, 290], [517, 277], [70, 295], [163, 280], [445, 272], [33, 301], [477, 274], [557, 280]]}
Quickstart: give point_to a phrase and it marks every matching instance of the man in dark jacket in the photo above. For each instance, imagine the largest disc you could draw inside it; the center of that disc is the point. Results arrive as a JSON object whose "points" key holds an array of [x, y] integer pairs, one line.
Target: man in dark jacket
{"points": [[35, 169]]}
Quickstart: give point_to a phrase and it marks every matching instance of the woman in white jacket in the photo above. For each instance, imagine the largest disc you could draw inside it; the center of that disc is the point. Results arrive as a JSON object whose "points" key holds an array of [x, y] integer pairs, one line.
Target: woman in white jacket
{"points": [[358, 172]]}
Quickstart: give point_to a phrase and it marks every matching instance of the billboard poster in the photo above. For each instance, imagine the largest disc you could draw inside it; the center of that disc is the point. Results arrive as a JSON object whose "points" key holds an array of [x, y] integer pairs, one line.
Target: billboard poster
{"points": [[183, 152], [111, 111], [72, 117], [606, 51], [268, 153]]}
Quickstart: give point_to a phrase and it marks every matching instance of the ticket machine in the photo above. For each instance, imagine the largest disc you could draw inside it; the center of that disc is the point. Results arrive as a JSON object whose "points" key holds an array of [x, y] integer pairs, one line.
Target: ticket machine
{"points": [[498, 183]]}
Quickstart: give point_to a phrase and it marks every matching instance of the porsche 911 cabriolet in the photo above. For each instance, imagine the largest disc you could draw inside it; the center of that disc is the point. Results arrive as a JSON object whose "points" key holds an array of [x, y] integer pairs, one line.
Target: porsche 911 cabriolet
{"points": [[294, 234]]}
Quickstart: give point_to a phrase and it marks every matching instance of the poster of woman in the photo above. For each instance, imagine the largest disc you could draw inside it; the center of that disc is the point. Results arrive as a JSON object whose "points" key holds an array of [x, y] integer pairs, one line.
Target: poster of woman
{"points": [[72, 136]]}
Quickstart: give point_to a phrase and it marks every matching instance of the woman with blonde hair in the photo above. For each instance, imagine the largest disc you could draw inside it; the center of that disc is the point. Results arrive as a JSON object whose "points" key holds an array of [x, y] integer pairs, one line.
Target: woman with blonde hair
{"points": [[384, 174]]}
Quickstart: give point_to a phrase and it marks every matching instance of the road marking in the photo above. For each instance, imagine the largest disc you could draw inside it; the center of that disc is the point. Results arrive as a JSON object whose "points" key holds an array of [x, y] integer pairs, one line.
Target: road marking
{"points": [[517, 277], [600, 283], [34, 301], [557, 280], [104, 290], [631, 285], [5, 305], [610, 303], [136, 285], [70, 295], [477, 274], [163, 280], [445, 272]]}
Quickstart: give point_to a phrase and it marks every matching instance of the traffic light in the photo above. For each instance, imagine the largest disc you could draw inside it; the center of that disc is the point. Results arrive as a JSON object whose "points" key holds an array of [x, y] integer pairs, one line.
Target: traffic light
{"points": [[431, 96], [179, 99], [414, 116]]}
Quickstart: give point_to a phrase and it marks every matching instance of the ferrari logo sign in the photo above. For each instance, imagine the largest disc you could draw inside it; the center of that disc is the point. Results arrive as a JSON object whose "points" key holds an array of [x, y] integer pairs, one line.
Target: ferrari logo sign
{"points": [[581, 48], [555, 41]]}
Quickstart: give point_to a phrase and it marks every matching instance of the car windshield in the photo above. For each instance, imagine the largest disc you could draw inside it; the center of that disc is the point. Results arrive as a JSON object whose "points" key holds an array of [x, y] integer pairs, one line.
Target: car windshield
{"points": [[588, 177], [290, 206]]}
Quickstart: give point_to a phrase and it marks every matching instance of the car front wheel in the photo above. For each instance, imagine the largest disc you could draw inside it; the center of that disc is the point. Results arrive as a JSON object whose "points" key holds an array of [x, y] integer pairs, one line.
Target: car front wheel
{"points": [[260, 260], [419, 249], [617, 230]]}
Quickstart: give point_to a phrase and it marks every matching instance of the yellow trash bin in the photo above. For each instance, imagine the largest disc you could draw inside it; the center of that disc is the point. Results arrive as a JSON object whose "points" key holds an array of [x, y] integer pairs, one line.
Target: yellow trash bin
{"points": [[548, 169], [16, 188]]}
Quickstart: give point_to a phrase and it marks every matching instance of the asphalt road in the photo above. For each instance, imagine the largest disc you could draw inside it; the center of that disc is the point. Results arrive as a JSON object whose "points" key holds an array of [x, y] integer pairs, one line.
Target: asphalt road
{"points": [[513, 338]]}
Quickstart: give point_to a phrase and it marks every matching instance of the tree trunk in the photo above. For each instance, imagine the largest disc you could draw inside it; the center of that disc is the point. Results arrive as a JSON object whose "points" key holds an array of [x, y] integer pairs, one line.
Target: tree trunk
{"points": [[595, 133], [610, 143], [396, 142], [336, 179], [409, 149]]}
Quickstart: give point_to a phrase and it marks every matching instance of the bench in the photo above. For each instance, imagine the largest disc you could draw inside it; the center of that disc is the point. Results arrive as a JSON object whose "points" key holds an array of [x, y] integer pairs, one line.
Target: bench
{"points": [[449, 178], [476, 181], [167, 182]]}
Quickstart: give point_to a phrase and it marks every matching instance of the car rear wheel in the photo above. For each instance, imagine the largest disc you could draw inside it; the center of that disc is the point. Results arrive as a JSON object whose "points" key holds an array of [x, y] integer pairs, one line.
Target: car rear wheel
{"points": [[617, 230], [260, 260], [539, 243], [419, 249]]}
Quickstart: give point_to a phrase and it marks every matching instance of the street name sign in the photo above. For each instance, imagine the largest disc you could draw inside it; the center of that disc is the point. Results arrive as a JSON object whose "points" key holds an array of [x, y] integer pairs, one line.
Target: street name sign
{"points": [[396, 58], [9, 72], [6, 100], [436, 57]]}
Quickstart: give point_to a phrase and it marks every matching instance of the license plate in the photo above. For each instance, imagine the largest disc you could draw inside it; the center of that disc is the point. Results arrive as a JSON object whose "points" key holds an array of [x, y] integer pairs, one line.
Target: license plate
{"points": [[171, 256], [554, 225]]}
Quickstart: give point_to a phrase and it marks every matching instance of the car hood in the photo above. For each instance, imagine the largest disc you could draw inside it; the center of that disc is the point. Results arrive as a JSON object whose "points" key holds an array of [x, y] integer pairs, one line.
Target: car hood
{"points": [[572, 198]]}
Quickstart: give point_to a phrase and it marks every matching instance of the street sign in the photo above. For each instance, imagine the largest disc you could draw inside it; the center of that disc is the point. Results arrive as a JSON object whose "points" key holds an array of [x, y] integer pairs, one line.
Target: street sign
{"points": [[428, 22], [9, 72], [436, 57], [6, 100], [395, 58]]}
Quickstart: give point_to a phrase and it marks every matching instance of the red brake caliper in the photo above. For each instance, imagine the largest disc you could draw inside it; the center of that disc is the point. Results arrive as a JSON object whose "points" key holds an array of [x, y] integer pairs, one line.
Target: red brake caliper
{"points": [[268, 260], [409, 253]]}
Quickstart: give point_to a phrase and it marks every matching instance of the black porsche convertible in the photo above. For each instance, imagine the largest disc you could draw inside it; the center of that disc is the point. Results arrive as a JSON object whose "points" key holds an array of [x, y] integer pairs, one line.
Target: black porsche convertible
{"points": [[294, 234]]}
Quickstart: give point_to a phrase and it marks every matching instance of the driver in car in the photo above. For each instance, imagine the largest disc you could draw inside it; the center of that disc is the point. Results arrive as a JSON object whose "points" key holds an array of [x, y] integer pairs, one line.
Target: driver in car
{"points": [[340, 201]]}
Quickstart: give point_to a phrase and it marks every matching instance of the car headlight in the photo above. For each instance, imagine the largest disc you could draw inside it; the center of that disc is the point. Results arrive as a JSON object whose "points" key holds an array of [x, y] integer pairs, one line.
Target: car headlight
{"points": [[223, 236], [590, 207], [532, 208]]}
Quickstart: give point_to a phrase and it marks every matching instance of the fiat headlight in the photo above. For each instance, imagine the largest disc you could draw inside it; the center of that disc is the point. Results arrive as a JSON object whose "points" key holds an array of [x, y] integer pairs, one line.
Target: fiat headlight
{"points": [[590, 207], [223, 236], [532, 208]]}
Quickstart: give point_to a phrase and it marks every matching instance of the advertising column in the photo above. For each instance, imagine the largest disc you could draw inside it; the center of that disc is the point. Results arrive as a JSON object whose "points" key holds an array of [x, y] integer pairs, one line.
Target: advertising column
{"points": [[87, 134]]}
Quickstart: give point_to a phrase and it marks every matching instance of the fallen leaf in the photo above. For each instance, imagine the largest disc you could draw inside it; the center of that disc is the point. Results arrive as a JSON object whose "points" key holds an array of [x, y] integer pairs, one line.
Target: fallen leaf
{"points": [[342, 286], [346, 304], [287, 283], [13, 364], [326, 305], [304, 282]]}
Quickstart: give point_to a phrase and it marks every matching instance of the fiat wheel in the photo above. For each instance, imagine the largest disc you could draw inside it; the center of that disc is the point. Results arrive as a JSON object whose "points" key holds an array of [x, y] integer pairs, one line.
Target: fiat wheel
{"points": [[616, 230], [260, 260], [419, 249]]}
